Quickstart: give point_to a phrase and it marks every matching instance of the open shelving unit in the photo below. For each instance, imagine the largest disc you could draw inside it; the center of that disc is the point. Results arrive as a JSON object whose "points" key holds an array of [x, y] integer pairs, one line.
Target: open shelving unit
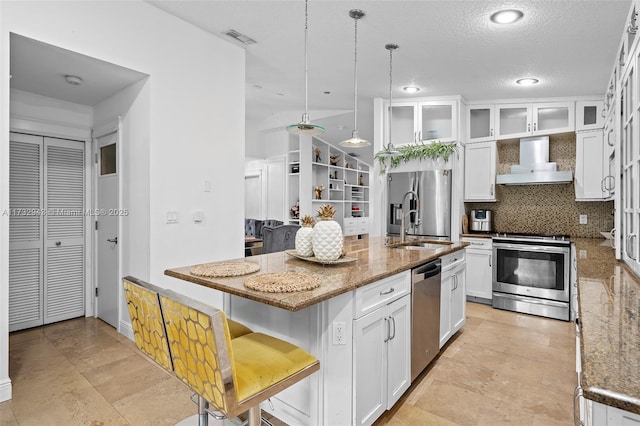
{"points": [[343, 181]]}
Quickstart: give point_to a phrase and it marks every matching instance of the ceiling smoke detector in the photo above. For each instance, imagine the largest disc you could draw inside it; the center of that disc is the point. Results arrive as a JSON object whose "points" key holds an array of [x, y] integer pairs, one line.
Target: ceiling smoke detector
{"points": [[73, 80], [240, 37]]}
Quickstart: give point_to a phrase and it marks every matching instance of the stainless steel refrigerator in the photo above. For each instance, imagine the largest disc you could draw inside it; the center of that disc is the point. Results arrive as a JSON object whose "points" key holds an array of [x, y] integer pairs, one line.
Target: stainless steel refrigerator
{"points": [[433, 202]]}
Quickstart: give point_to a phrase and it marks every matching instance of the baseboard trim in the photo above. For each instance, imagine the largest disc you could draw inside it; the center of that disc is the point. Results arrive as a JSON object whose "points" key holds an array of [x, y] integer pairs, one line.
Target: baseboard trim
{"points": [[125, 328], [5, 390]]}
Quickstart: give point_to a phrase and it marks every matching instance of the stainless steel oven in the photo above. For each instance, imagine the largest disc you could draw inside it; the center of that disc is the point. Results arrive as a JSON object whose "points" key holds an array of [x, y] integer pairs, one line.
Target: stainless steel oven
{"points": [[531, 274]]}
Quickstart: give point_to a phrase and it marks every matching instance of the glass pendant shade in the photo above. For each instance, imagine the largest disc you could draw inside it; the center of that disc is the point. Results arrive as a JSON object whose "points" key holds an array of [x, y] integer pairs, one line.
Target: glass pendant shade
{"points": [[305, 127], [355, 141]]}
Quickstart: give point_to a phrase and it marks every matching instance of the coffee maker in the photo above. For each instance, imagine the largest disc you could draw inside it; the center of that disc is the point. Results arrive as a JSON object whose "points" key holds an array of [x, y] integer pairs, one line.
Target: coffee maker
{"points": [[481, 220]]}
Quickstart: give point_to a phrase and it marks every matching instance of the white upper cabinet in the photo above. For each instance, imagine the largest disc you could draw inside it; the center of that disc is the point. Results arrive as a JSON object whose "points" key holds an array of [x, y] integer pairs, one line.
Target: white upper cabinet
{"points": [[438, 121], [589, 115], [480, 123], [421, 121], [480, 171], [522, 120], [590, 176], [404, 123]]}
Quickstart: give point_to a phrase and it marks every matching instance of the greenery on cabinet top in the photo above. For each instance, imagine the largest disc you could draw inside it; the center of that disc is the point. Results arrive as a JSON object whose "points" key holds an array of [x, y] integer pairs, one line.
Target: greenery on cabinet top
{"points": [[418, 151]]}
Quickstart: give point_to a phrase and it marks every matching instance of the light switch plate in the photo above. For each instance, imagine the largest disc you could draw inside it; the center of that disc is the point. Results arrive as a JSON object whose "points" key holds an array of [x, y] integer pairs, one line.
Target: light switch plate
{"points": [[172, 216], [583, 219]]}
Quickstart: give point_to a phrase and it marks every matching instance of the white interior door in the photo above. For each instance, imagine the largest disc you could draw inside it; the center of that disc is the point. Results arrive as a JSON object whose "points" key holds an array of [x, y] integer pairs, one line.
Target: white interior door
{"points": [[64, 224], [107, 244], [276, 189], [253, 195], [25, 231]]}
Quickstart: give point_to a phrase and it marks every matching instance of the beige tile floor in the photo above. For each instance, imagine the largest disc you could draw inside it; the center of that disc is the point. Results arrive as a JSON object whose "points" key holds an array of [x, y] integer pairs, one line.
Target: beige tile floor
{"points": [[502, 368]]}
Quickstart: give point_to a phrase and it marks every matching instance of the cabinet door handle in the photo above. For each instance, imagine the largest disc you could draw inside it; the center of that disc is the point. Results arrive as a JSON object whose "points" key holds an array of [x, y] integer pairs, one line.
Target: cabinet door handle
{"points": [[602, 185], [528, 127], [535, 126], [420, 136], [415, 136], [393, 320], [386, 322], [491, 132], [491, 189], [391, 290], [490, 260], [576, 416]]}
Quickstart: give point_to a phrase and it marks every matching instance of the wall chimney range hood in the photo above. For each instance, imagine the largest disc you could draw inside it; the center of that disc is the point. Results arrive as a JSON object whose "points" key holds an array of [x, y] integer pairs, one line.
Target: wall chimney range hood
{"points": [[534, 167]]}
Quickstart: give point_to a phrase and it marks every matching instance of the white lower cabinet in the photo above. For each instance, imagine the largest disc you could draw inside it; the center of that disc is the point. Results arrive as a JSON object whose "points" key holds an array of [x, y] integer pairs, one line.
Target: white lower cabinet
{"points": [[382, 352], [479, 268], [452, 295], [598, 414]]}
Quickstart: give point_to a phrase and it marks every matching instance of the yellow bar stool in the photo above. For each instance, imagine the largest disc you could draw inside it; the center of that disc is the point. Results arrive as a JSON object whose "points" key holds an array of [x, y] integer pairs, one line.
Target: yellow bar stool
{"points": [[146, 320], [232, 376]]}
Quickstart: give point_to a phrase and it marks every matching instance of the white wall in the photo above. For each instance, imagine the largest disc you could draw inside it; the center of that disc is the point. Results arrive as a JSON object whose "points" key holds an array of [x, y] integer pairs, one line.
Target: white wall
{"points": [[196, 129]]}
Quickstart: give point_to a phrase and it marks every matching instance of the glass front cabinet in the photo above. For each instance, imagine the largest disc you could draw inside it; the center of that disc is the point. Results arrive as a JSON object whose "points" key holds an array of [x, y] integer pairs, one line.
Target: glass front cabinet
{"points": [[522, 120], [480, 127], [421, 121]]}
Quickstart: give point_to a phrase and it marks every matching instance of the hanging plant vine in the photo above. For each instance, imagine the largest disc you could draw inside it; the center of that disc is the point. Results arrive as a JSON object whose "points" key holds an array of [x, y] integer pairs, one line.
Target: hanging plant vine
{"points": [[419, 151]]}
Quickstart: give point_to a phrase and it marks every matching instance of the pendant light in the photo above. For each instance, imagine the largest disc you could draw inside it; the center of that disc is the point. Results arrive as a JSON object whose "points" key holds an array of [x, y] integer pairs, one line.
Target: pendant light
{"points": [[355, 141], [389, 150], [305, 127]]}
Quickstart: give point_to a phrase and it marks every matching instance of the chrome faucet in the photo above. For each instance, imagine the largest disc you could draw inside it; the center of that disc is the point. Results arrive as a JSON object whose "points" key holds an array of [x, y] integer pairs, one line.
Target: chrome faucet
{"points": [[403, 231]]}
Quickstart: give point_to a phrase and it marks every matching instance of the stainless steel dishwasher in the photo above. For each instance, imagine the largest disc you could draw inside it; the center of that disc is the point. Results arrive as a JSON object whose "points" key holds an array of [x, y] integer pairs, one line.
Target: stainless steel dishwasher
{"points": [[425, 315]]}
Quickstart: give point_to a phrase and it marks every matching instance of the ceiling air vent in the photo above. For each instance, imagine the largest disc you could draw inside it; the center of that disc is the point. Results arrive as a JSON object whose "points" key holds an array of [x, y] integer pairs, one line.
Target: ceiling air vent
{"points": [[240, 37]]}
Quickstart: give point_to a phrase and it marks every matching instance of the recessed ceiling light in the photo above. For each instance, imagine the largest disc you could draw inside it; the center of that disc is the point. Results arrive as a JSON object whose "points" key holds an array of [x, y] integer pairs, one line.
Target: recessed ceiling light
{"points": [[411, 89], [326, 92], [73, 80], [506, 16], [527, 81]]}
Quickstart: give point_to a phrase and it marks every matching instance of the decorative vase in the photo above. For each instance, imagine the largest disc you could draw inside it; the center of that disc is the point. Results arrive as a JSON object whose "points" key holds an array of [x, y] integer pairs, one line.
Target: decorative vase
{"points": [[327, 236], [304, 237]]}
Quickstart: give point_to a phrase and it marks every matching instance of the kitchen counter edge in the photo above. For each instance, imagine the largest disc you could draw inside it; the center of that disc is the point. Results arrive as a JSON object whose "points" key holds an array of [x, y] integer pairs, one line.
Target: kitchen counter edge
{"points": [[375, 261], [608, 294]]}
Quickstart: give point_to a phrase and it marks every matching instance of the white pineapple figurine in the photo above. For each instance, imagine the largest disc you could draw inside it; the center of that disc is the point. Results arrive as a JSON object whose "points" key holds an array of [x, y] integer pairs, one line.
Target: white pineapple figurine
{"points": [[304, 245], [327, 236]]}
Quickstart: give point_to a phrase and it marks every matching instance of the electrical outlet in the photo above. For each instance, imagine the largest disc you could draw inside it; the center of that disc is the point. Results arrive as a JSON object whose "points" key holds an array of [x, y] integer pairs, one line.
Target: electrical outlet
{"points": [[583, 254], [339, 333], [583, 219]]}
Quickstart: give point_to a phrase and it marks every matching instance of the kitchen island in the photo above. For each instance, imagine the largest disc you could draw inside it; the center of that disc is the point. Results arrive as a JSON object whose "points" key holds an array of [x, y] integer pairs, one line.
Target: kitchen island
{"points": [[609, 338], [345, 323]]}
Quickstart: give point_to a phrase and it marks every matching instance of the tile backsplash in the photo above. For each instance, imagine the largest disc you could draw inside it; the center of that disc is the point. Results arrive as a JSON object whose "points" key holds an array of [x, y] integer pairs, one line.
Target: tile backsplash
{"points": [[545, 208]]}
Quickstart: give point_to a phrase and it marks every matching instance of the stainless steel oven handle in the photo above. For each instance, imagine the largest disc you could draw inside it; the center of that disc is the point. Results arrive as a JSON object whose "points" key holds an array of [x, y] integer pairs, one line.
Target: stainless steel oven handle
{"points": [[531, 247]]}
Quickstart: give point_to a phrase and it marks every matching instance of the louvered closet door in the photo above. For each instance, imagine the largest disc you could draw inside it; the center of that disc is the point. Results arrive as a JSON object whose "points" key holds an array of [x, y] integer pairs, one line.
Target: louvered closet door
{"points": [[25, 231], [64, 271]]}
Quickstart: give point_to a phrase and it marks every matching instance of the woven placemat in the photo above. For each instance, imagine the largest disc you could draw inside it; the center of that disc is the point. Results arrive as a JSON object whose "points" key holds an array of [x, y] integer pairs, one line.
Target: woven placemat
{"points": [[282, 282], [223, 269]]}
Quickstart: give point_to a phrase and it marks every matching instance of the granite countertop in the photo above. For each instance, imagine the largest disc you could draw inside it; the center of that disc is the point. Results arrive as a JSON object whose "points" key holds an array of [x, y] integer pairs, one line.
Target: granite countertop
{"points": [[609, 312], [374, 261]]}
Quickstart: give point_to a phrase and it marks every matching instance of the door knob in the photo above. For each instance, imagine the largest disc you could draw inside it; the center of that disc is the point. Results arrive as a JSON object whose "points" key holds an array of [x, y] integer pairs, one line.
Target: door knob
{"points": [[113, 240]]}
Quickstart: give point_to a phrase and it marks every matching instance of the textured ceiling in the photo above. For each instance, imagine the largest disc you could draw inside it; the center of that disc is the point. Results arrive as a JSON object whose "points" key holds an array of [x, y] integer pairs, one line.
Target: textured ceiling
{"points": [[446, 48]]}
